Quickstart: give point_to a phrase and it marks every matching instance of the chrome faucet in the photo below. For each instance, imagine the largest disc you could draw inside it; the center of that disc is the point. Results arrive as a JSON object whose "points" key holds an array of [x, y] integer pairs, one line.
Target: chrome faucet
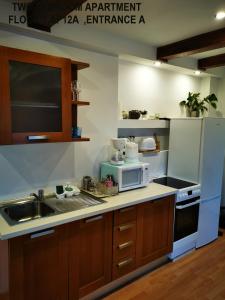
{"points": [[39, 196]]}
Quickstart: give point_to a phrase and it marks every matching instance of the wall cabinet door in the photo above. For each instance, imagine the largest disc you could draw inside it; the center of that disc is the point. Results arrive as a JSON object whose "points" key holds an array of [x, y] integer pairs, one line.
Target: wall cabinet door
{"points": [[36, 97], [90, 254], [154, 229], [39, 266]]}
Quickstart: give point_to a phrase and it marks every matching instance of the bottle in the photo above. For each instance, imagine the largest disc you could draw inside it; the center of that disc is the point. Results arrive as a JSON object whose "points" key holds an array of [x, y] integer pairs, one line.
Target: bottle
{"points": [[109, 182], [86, 182]]}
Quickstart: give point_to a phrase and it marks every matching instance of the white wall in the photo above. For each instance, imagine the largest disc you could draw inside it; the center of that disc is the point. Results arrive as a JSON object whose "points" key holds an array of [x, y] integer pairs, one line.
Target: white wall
{"points": [[25, 168], [205, 86], [154, 89]]}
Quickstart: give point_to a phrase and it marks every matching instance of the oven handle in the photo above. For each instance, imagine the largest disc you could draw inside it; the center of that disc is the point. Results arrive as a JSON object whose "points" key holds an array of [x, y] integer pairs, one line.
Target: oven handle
{"points": [[188, 205]]}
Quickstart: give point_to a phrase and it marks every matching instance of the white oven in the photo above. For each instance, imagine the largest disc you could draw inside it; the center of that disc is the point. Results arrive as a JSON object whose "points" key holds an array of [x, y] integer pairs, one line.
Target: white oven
{"points": [[186, 214]]}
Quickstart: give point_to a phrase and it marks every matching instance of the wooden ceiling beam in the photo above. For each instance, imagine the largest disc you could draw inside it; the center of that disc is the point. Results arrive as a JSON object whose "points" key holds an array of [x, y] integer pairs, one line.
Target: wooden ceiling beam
{"points": [[43, 14], [197, 44], [211, 62]]}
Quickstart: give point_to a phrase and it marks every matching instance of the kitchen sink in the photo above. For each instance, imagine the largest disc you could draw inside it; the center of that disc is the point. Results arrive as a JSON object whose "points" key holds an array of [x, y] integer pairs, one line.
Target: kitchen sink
{"points": [[25, 211]]}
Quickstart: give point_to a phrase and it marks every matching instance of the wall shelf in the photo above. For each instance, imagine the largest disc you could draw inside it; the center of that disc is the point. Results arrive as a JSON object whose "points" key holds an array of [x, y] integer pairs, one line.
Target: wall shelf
{"points": [[81, 139], [149, 151], [80, 103], [128, 123], [80, 65], [75, 67]]}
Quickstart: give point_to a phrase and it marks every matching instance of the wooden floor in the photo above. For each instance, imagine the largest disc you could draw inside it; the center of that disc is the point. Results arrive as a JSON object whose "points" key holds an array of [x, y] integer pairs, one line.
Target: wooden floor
{"points": [[197, 276]]}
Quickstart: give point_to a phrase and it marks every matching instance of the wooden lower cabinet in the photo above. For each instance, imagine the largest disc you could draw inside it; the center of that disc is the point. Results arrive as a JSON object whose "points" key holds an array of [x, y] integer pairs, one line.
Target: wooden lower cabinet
{"points": [[90, 253], [70, 261], [154, 229], [38, 266]]}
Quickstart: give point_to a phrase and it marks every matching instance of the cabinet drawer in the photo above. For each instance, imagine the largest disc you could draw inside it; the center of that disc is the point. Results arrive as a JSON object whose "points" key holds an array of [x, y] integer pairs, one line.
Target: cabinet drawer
{"points": [[124, 233], [125, 215], [123, 250], [123, 267], [124, 241]]}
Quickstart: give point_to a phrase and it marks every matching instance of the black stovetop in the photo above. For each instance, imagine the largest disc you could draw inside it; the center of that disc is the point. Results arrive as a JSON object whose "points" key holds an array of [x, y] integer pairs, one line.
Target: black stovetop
{"points": [[173, 182]]}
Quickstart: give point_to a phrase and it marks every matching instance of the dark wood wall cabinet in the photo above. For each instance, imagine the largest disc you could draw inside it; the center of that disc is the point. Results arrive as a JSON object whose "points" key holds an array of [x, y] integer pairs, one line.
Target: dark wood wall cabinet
{"points": [[72, 260], [35, 97]]}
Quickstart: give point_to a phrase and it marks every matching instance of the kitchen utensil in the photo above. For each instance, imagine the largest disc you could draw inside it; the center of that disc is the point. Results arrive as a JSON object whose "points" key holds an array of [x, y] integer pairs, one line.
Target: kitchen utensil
{"points": [[60, 192], [59, 189], [71, 190], [86, 182], [76, 132], [157, 142], [148, 144], [76, 89], [131, 152], [120, 145], [125, 114], [134, 114], [144, 114]]}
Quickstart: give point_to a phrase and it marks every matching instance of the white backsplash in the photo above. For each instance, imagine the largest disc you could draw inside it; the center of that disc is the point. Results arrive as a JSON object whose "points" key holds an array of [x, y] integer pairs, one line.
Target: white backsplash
{"points": [[157, 161]]}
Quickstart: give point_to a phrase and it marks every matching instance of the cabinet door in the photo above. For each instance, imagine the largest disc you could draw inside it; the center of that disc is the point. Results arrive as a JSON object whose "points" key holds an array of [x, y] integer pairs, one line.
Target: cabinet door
{"points": [[39, 266], [154, 229], [37, 93], [90, 254]]}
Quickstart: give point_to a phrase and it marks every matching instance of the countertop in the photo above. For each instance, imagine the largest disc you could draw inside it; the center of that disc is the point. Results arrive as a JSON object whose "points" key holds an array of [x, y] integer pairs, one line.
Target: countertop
{"points": [[151, 192]]}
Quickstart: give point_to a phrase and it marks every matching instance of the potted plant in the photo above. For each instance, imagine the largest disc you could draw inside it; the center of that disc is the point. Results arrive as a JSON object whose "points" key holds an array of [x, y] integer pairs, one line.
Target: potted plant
{"points": [[194, 105]]}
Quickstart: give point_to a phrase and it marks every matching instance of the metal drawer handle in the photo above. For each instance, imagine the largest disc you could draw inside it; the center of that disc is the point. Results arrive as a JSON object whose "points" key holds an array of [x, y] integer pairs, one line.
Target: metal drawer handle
{"points": [[126, 227], [126, 209], [33, 138], [94, 219], [42, 233], [124, 263], [125, 245]]}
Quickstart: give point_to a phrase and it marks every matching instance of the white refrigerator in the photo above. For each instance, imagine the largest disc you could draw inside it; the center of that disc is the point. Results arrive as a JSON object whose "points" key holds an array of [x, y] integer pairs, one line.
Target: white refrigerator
{"points": [[196, 153]]}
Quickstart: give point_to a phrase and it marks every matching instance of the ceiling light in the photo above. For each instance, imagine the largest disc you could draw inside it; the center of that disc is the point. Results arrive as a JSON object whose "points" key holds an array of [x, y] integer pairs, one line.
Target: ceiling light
{"points": [[157, 63], [197, 72], [220, 15]]}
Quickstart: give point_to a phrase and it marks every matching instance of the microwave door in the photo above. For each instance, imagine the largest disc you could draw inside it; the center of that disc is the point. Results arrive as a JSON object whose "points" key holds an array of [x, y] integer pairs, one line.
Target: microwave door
{"points": [[131, 177]]}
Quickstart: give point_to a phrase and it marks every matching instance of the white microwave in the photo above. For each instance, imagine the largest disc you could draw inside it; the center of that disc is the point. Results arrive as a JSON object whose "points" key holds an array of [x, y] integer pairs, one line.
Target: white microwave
{"points": [[128, 176]]}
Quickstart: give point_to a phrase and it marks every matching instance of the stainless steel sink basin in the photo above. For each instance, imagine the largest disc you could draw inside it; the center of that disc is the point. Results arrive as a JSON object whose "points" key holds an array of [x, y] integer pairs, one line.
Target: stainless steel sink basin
{"points": [[25, 211]]}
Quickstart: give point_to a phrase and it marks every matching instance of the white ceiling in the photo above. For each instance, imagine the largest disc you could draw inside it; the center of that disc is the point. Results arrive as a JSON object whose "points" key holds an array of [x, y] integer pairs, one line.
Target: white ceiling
{"points": [[169, 21]]}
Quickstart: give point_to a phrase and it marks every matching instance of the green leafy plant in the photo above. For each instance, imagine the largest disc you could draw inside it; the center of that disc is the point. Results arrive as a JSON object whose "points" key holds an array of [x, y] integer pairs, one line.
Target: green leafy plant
{"points": [[194, 104]]}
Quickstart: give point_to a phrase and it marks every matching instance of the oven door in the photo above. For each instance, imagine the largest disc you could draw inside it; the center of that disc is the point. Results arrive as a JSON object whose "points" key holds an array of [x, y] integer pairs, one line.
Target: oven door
{"points": [[186, 218]]}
